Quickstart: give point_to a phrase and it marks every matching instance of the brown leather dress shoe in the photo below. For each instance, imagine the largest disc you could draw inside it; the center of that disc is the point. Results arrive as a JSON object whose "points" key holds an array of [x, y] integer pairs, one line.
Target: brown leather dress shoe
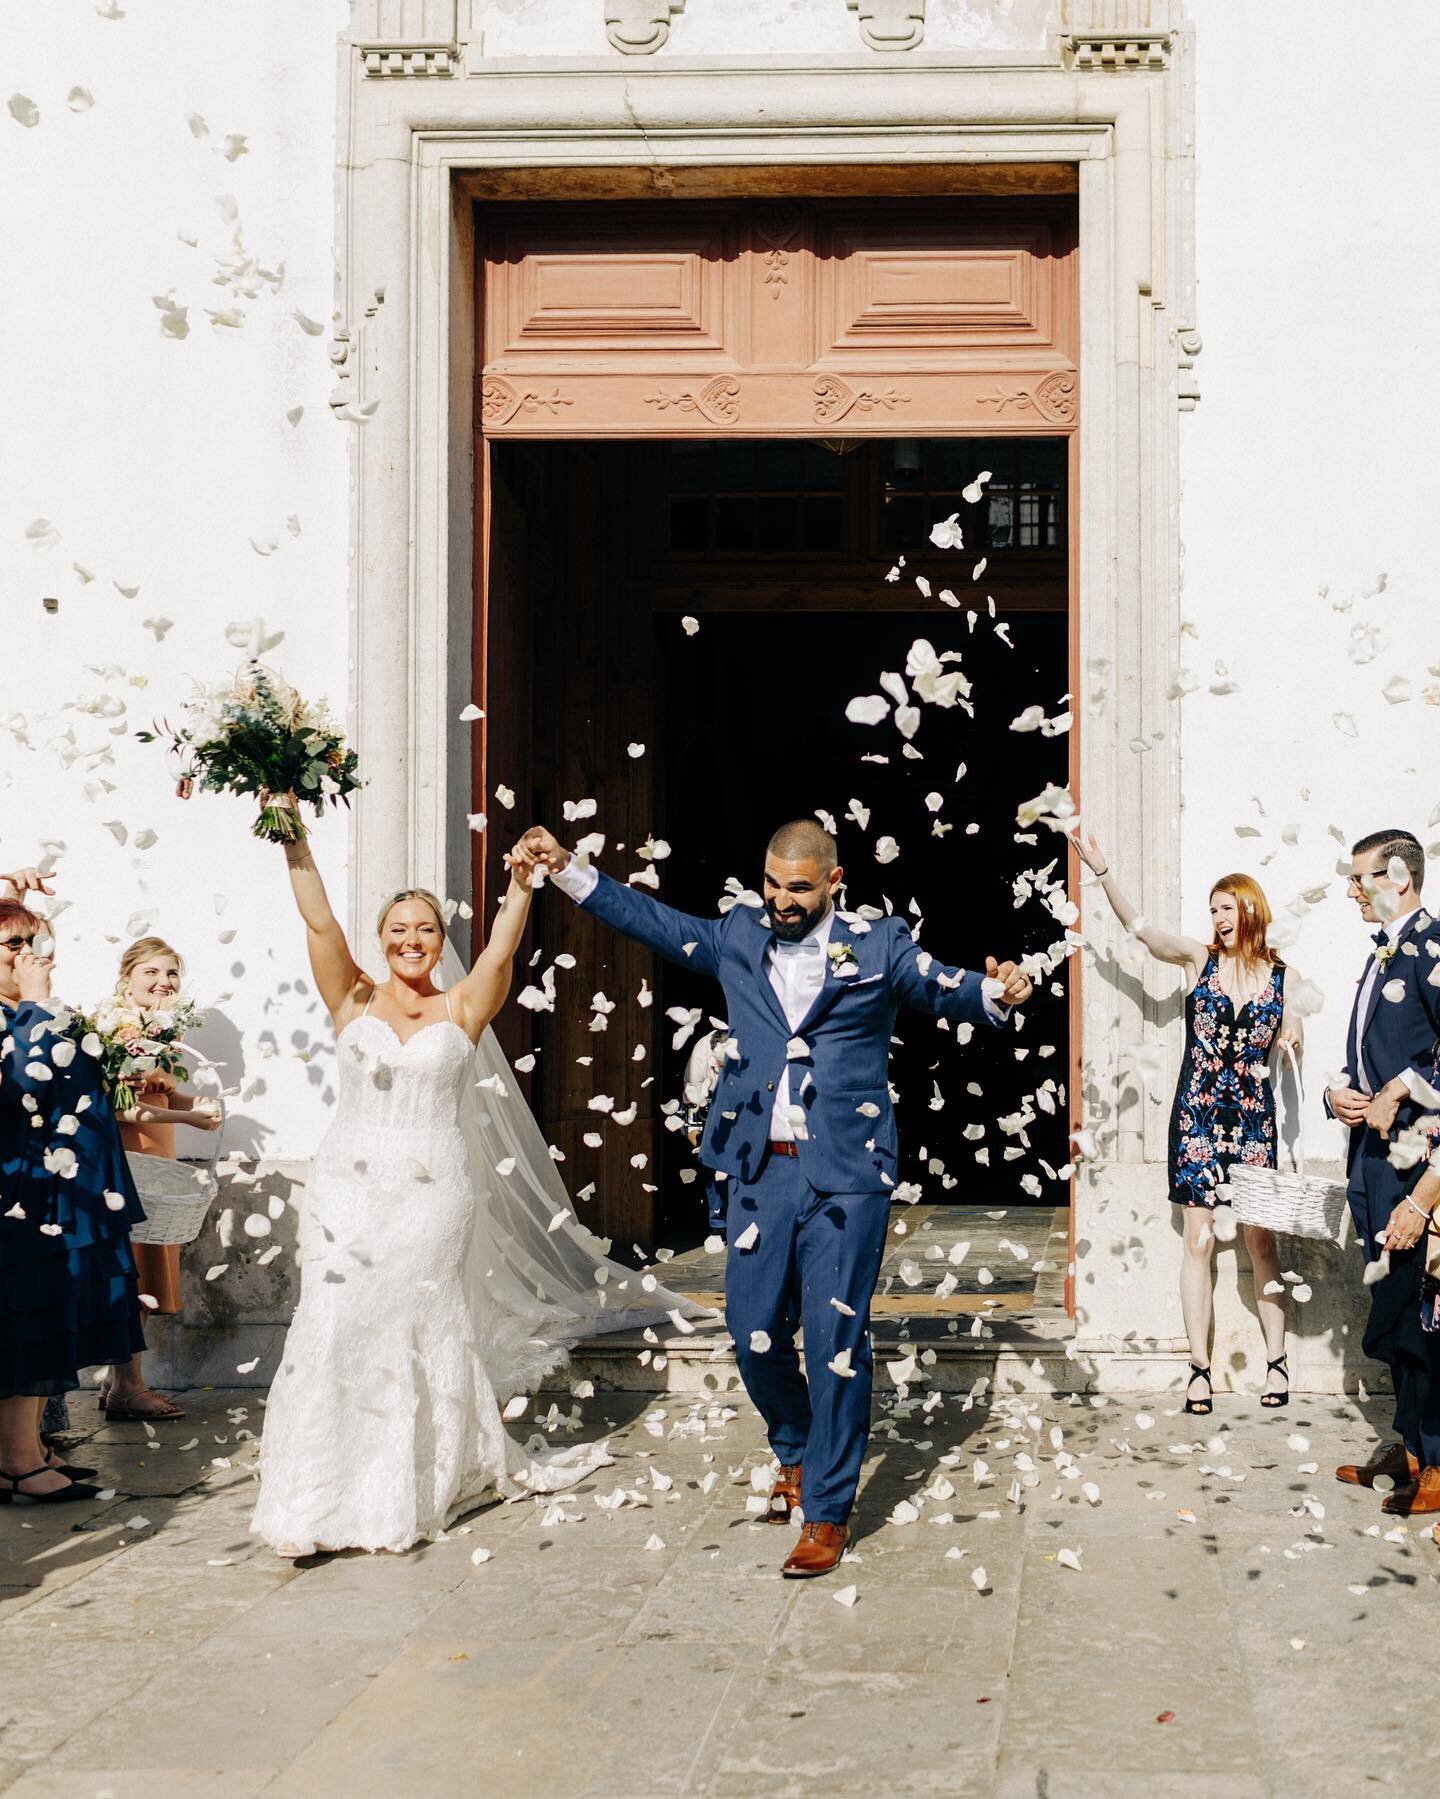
{"points": [[1422, 1495], [784, 1495], [1395, 1461], [818, 1551]]}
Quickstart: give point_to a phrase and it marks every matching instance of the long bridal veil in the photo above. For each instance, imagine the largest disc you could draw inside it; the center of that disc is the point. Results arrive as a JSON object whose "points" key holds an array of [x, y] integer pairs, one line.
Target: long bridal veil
{"points": [[537, 1279]]}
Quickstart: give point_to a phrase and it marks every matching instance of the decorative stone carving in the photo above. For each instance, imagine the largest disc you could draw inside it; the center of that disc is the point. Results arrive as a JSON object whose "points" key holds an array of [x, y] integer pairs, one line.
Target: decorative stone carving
{"points": [[499, 401], [777, 224], [640, 27], [718, 400], [890, 24], [1187, 390], [1053, 398], [407, 38], [834, 398], [1118, 34]]}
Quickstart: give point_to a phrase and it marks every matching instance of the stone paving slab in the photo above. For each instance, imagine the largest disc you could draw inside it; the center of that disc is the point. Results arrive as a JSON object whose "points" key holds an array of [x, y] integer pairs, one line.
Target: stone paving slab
{"points": [[1222, 1634]]}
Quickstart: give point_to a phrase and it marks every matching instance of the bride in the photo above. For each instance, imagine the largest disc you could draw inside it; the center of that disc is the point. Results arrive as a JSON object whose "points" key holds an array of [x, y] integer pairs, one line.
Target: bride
{"points": [[440, 1267]]}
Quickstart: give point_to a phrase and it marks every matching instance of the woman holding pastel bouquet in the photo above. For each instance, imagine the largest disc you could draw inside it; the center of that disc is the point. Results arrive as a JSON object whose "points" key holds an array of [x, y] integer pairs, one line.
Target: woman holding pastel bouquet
{"points": [[1236, 1013], [148, 995]]}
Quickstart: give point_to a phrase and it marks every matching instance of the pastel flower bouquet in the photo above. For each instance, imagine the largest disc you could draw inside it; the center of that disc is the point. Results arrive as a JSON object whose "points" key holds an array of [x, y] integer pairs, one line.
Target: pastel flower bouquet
{"points": [[131, 1045], [258, 737]]}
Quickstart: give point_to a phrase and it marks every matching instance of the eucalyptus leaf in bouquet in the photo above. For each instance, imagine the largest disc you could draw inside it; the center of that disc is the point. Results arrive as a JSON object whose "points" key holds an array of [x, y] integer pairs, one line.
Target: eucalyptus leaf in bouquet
{"points": [[258, 737]]}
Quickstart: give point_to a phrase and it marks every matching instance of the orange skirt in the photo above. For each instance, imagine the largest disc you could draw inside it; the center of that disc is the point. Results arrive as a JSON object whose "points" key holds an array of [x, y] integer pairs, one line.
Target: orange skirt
{"points": [[158, 1265]]}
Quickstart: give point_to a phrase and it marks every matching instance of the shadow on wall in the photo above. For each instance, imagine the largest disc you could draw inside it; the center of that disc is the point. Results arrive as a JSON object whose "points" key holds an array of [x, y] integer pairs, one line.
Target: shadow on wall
{"points": [[219, 1040]]}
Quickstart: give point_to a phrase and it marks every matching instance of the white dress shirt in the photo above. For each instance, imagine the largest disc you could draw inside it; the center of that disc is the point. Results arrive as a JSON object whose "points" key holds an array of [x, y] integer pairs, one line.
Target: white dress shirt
{"points": [[797, 973], [1367, 989]]}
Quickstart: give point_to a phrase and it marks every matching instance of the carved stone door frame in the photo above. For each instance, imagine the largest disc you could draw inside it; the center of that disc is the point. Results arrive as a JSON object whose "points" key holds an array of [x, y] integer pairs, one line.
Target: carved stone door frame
{"points": [[411, 152]]}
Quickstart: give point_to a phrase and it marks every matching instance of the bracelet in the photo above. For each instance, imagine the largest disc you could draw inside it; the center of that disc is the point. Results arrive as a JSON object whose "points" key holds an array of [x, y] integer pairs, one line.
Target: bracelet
{"points": [[1100, 873], [1418, 1210]]}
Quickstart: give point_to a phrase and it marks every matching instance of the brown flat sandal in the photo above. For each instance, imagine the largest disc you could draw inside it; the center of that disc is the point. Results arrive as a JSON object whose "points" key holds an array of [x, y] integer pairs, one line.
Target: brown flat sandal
{"points": [[125, 1411]]}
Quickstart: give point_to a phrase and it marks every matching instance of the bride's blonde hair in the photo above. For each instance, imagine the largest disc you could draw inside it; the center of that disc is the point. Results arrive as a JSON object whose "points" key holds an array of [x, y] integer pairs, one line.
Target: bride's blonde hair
{"points": [[410, 893]]}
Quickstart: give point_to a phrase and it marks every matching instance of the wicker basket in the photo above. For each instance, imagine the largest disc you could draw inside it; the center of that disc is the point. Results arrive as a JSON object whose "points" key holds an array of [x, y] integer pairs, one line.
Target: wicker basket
{"points": [[1289, 1202], [176, 1195]]}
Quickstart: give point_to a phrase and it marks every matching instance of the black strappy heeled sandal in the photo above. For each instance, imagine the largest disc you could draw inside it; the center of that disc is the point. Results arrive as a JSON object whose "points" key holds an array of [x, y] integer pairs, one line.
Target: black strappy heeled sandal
{"points": [[1272, 1401], [1201, 1408], [61, 1496]]}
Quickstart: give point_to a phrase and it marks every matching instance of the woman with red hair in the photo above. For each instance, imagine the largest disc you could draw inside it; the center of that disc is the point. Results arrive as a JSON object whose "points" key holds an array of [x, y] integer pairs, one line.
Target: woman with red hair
{"points": [[1224, 1111]]}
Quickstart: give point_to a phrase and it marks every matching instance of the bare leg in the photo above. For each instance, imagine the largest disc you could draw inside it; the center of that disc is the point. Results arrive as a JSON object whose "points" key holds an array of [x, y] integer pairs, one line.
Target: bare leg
{"points": [[127, 1385], [20, 1449], [1265, 1263], [1197, 1290]]}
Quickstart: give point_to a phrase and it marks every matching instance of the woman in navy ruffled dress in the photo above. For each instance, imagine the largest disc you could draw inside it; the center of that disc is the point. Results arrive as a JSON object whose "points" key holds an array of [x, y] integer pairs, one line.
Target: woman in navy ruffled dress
{"points": [[69, 1297]]}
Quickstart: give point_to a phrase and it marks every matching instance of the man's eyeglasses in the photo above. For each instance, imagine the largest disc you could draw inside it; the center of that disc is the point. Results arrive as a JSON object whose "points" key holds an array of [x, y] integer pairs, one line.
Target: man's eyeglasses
{"points": [[1370, 874], [15, 943]]}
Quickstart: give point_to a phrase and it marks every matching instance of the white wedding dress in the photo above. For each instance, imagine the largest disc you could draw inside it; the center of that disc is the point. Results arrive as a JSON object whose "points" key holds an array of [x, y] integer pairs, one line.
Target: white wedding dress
{"points": [[427, 1300]]}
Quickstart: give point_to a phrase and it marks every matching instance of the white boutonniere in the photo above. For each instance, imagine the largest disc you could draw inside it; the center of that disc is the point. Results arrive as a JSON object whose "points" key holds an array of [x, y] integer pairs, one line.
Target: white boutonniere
{"points": [[842, 957], [1384, 953]]}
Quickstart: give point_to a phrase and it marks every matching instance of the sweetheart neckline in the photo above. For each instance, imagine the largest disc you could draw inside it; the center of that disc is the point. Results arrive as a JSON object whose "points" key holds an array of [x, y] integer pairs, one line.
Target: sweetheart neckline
{"points": [[436, 1024]]}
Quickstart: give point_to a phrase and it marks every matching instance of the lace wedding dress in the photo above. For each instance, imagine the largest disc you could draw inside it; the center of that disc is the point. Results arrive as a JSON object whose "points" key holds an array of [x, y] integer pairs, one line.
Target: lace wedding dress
{"points": [[429, 1296]]}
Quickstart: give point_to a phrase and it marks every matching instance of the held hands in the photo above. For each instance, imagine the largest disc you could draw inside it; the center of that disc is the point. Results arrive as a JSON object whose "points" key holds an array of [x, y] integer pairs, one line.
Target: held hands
{"points": [[1380, 1112], [1018, 985], [32, 974], [542, 847], [1348, 1104]]}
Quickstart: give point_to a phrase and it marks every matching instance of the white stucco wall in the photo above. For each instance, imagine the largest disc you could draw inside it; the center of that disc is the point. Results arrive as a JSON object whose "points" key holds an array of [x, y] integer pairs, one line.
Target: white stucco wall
{"points": [[1310, 466], [157, 460]]}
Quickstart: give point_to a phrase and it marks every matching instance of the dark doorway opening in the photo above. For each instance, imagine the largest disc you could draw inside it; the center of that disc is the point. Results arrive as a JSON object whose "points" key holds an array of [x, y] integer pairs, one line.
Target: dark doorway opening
{"points": [[779, 551], [756, 733]]}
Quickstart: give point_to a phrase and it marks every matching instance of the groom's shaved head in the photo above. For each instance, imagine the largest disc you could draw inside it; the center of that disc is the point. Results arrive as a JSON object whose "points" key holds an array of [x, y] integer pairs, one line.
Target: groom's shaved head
{"points": [[803, 840]]}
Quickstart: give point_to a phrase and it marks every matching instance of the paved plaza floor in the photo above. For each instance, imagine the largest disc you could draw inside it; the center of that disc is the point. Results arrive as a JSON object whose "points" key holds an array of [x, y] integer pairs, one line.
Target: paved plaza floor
{"points": [[1064, 1599]]}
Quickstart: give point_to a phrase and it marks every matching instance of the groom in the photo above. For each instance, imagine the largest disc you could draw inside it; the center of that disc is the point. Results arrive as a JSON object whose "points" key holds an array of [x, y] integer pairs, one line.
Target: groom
{"points": [[802, 1126]]}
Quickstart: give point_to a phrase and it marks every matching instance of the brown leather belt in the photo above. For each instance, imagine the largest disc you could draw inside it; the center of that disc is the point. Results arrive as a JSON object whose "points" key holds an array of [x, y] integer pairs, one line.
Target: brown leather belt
{"points": [[784, 1149]]}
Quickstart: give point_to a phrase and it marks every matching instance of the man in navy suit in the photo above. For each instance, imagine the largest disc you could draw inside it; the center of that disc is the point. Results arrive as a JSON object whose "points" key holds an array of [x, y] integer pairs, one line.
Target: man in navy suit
{"points": [[1390, 1063], [802, 1126]]}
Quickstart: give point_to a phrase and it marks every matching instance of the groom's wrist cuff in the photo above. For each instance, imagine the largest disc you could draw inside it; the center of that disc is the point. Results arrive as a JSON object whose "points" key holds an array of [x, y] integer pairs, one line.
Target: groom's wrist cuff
{"points": [[577, 879]]}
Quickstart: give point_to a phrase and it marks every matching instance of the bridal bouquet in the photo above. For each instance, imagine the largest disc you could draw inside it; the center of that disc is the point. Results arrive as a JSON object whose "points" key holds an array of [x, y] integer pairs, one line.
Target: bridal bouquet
{"points": [[255, 735], [130, 1044]]}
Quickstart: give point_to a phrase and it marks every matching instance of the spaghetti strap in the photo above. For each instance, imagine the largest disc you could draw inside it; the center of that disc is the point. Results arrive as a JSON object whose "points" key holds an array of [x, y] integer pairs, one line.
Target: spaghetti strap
{"points": [[448, 1013], [369, 1002]]}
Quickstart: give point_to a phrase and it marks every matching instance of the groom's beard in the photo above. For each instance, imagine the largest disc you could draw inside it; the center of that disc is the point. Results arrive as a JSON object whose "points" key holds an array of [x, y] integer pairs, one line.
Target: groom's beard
{"points": [[801, 925]]}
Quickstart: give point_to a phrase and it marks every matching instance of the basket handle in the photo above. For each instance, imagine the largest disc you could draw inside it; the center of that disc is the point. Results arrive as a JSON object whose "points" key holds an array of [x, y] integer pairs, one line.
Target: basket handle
{"points": [[1289, 1053]]}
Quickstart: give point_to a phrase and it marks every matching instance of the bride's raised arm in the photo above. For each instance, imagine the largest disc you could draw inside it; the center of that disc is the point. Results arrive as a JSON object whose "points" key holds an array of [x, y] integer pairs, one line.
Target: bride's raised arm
{"points": [[337, 974], [482, 993]]}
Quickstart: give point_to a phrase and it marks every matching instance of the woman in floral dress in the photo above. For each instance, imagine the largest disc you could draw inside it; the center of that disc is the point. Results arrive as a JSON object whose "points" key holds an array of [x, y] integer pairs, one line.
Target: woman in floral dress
{"points": [[1224, 1111]]}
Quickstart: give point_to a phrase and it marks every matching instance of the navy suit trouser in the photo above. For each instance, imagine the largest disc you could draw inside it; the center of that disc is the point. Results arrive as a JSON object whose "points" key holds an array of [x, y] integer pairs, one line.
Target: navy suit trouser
{"points": [[809, 1249], [1393, 1334]]}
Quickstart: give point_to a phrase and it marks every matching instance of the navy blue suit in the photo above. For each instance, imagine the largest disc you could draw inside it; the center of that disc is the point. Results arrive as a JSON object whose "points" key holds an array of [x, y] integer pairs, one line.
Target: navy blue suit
{"points": [[1397, 1035], [820, 1216]]}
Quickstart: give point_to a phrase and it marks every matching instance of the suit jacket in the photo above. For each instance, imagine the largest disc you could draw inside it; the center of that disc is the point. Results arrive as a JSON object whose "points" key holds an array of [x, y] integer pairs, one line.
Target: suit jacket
{"points": [[840, 1080], [1398, 1034]]}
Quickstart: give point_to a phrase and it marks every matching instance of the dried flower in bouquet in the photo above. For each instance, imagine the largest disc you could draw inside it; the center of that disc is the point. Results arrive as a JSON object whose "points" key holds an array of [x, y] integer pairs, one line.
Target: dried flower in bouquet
{"points": [[257, 736]]}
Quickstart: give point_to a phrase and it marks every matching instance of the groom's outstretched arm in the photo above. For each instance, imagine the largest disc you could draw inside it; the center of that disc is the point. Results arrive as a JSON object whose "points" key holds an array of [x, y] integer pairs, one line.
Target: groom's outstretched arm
{"points": [[681, 937], [929, 985]]}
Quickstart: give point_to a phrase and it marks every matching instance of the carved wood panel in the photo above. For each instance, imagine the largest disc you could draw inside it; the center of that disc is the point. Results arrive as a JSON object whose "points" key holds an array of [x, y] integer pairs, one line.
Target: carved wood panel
{"points": [[778, 316]]}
